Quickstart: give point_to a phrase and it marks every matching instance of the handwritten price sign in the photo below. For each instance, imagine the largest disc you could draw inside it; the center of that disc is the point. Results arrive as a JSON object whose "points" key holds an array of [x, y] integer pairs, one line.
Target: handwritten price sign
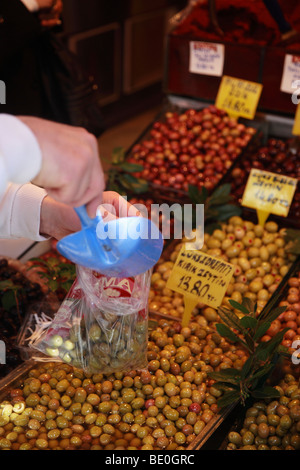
{"points": [[296, 127], [206, 58], [239, 98], [269, 193], [200, 278]]}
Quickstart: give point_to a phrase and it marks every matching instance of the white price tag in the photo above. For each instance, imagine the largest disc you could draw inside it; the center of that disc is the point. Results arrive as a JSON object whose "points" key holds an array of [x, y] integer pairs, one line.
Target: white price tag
{"points": [[206, 58], [291, 73]]}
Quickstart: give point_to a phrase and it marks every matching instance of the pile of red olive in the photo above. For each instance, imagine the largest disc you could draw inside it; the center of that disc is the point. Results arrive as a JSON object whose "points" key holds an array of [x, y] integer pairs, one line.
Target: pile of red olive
{"points": [[196, 147], [290, 318], [152, 208]]}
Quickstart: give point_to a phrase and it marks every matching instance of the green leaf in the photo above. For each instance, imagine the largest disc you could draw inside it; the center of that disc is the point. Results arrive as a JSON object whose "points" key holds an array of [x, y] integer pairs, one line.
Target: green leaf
{"points": [[263, 371], [228, 210], [52, 262], [203, 195], [226, 332], [266, 349], [131, 183], [123, 180], [226, 373], [274, 313], [248, 322], [226, 386], [291, 234], [231, 376], [5, 285], [195, 195], [294, 248], [53, 285], [44, 275], [140, 186], [283, 351], [246, 367], [8, 300], [210, 228], [115, 187], [230, 318], [210, 214], [131, 167], [220, 195], [265, 392], [262, 353], [229, 398], [66, 285], [239, 306], [249, 343], [248, 304], [261, 330], [118, 155]]}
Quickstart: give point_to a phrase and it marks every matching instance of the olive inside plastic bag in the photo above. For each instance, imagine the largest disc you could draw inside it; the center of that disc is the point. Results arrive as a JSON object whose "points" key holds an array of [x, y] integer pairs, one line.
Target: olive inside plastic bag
{"points": [[102, 325]]}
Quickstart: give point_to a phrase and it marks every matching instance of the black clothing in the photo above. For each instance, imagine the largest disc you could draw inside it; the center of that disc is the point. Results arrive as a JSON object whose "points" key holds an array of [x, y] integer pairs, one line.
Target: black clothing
{"points": [[20, 32]]}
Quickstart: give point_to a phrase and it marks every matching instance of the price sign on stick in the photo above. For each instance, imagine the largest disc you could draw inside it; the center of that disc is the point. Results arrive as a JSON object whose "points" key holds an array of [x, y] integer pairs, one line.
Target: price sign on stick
{"points": [[239, 98], [296, 127], [269, 193], [200, 278]]}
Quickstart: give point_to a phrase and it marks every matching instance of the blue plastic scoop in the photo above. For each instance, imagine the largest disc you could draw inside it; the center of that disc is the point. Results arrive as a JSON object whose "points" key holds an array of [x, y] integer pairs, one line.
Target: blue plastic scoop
{"points": [[122, 247]]}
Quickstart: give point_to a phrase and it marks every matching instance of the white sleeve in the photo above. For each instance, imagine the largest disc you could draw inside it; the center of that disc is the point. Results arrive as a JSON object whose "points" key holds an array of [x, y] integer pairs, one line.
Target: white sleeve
{"points": [[20, 153], [31, 5], [20, 211]]}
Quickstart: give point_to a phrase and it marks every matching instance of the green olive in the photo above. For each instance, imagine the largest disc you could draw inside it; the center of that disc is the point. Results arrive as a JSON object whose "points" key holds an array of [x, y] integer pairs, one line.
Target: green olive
{"points": [[56, 341]]}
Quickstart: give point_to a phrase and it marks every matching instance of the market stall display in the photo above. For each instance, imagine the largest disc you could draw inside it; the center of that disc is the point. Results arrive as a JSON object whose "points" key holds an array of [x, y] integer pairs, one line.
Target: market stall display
{"points": [[277, 156], [164, 407], [190, 147], [119, 364], [270, 425], [249, 47], [288, 297], [257, 253], [17, 293]]}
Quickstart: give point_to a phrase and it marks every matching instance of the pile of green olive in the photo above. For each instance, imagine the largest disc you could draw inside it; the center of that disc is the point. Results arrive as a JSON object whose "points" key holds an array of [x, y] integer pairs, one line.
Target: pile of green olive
{"points": [[257, 253], [165, 406], [271, 425], [108, 344]]}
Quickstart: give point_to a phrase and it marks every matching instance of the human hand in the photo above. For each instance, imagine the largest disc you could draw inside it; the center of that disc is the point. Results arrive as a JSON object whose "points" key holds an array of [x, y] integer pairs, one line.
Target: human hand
{"points": [[115, 206], [59, 220], [45, 4], [50, 13], [71, 171]]}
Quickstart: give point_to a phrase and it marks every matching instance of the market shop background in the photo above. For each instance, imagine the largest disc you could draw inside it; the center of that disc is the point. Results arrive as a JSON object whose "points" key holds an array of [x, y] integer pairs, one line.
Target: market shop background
{"points": [[121, 44]]}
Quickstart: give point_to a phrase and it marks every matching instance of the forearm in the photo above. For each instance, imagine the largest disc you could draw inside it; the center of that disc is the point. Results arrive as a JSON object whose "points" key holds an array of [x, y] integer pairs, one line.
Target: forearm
{"points": [[31, 5], [20, 154], [20, 212]]}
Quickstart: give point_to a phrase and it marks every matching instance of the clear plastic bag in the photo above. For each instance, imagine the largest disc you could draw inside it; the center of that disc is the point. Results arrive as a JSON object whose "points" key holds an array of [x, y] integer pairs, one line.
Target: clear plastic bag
{"points": [[102, 325]]}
